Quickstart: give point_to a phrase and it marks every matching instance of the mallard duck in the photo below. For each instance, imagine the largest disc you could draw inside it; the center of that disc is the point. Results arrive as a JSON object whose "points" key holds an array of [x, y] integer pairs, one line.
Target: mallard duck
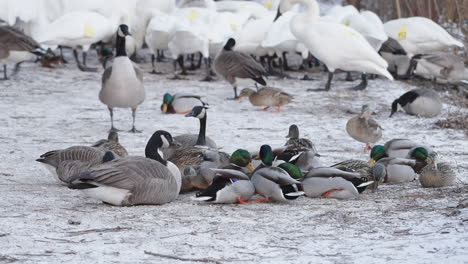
{"points": [[133, 180], [295, 141], [122, 84], [180, 103], [232, 65], [433, 174], [112, 144], [185, 141], [68, 162], [373, 172], [420, 102], [202, 176], [333, 183], [267, 97], [363, 128], [400, 147], [396, 169], [228, 186]]}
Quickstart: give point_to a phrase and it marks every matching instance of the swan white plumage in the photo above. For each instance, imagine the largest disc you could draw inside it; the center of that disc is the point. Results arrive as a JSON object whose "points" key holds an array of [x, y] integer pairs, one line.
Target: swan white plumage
{"points": [[158, 32], [256, 10], [249, 39], [336, 45], [369, 25], [419, 35]]}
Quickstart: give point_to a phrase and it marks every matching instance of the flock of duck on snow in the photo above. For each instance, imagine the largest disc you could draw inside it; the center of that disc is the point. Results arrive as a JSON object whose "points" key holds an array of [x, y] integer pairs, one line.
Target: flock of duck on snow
{"points": [[236, 34]]}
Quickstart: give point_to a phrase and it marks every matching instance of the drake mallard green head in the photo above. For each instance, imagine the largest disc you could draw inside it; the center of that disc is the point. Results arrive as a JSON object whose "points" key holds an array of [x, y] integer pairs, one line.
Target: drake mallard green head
{"points": [[242, 158], [377, 152], [292, 170], [167, 100], [266, 155], [419, 154]]}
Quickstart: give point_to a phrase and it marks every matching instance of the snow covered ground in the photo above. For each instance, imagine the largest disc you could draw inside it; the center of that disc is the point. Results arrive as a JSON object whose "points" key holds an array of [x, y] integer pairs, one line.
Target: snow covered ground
{"points": [[41, 221]]}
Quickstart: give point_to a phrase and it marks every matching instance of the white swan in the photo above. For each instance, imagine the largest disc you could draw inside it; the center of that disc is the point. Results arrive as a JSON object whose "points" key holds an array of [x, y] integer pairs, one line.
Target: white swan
{"points": [[419, 35], [336, 45], [369, 25]]}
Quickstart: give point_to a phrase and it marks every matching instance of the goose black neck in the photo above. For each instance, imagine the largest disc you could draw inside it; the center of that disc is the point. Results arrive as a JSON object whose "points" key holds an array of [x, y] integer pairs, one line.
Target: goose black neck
{"points": [[201, 141], [151, 152], [120, 46], [394, 107]]}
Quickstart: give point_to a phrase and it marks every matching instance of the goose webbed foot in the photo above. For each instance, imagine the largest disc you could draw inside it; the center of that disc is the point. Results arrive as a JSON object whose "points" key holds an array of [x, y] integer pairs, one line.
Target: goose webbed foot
{"points": [[207, 78], [318, 90], [86, 69], [156, 72], [361, 86], [177, 77], [134, 130], [307, 78], [113, 129], [349, 77]]}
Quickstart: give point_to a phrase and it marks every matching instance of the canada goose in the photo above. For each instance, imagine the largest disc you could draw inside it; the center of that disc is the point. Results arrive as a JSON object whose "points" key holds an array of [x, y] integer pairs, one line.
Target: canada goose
{"points": [[68, 162], [15, 47], [420, 35], [180, 103], [396, 169], [333, 183], [420, 102], [434, 174], [111, 144], [122, 84], [363, 128], [441, 66], [336, 45], [133, 180], [232, 64], [267, 96]]}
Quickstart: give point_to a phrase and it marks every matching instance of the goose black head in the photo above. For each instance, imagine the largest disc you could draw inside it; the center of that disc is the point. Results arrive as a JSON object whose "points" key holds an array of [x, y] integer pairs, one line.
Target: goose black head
{"points": [[108, 156], [198, 112], [229, 44], [123, 31]]}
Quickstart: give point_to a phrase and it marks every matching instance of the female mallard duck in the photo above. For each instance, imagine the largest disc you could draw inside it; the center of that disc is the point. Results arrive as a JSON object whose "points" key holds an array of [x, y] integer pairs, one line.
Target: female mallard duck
{"points": [[295, 141], [363, 128], [232, 65], [133, 180], [180, 103], [420, 102], [396, 169], [373, 172], [68, 162], [333, 183], [268, 97], [228, 186], [202, 176], [190, 140], [433, 174], [274, 183], [112, 144]]}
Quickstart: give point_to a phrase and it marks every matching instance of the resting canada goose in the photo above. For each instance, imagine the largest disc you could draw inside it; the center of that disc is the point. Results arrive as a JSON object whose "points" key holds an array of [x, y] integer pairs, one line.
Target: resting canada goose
{"points": [[420, 102], [363, 128], [122, 84], [111, 144], [133, 180], [232, 64], [267, 97], [180, 103], [68, 162], [15, 47], [434, 174], [190, 140], [333, 183]]}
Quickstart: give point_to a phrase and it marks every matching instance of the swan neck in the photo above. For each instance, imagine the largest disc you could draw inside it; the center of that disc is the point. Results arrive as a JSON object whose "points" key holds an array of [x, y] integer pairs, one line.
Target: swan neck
{"points": [[313, 9]]}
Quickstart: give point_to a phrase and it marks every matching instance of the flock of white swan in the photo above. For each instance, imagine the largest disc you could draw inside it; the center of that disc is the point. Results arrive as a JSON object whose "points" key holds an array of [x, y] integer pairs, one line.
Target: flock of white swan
{"points": [[234, 38]]}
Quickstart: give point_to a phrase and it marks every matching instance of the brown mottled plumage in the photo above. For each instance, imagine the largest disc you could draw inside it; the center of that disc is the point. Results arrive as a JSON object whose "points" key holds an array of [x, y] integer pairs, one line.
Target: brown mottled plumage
{"points": [[111, 144], [363, 128], [267, 96]]}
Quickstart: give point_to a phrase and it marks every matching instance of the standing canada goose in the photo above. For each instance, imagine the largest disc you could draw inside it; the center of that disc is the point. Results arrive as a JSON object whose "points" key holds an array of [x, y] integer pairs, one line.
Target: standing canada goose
{"points": [[68, 162], [190, 140], [396, 169], [111, 144], [133, 180], [363, 128], [267, 97], [15, 47], [333, 183], [336, 45], [122, 84], [434, 174], [420, 102], [180, 103], [232, 65]]}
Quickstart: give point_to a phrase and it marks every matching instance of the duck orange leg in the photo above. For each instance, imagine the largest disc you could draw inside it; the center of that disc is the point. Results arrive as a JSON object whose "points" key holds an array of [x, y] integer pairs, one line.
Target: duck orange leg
{"points": [[262, 200], [239, 200], [278, 109], [367, 148], [263, 109]]}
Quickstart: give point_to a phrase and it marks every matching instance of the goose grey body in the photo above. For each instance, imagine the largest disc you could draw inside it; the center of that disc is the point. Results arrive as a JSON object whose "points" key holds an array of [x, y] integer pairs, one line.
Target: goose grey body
{"points": [[122, 84], [111, 144], [363, 128], [232, 65], [268, 182], [423, 102], [443, 65], [68, 162], [133, 180]]}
